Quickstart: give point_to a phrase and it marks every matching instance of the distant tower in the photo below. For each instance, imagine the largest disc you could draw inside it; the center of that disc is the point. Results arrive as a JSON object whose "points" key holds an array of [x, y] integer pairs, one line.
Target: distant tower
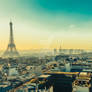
{"points": [[55, 51], [60, 49], [71, 51], [11, 49]]}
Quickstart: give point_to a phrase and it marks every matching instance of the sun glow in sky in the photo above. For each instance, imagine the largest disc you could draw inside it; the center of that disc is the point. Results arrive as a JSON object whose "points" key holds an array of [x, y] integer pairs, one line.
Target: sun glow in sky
{"points": [[47, 23]]}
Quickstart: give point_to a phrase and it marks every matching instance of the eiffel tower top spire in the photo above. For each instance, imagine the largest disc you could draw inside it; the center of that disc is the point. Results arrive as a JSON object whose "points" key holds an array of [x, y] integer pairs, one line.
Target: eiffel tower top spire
{"points": [[11, 49], [11, 33]]}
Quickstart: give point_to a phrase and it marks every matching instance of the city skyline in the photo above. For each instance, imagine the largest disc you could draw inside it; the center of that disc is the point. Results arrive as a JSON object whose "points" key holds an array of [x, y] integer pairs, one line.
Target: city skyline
{"points": [[45, 24]]}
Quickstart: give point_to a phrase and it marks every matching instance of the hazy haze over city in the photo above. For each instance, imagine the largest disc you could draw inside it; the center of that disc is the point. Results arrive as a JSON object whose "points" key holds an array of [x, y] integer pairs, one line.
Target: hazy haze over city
{"points": [[47, 23]]}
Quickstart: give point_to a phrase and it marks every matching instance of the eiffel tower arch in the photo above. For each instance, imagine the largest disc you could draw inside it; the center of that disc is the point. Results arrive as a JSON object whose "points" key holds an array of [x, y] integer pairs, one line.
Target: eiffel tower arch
{"points": [[11, 50]]}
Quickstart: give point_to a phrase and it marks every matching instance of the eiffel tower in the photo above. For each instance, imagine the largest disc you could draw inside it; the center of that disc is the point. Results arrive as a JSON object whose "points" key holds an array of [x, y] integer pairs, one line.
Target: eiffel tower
{"points": [[11, 50]]}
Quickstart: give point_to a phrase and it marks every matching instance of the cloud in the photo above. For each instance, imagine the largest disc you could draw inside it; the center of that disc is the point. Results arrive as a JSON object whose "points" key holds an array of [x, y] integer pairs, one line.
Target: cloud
{"points": [[72, 26]]}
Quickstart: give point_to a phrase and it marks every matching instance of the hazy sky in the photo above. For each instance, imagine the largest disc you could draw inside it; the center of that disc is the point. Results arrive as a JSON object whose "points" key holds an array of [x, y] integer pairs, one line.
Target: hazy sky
{"points": [[47, 23]]}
